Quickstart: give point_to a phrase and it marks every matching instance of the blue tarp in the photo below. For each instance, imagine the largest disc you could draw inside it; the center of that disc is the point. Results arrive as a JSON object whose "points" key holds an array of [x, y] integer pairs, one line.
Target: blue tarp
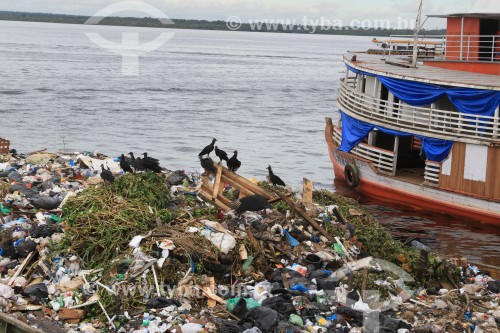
{"points": [[467, 100], [355, 130]]}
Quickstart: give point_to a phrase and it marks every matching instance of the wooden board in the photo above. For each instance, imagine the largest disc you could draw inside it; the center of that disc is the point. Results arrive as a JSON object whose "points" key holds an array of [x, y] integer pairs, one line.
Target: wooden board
{"points": [[489, 189], [214, 192]]}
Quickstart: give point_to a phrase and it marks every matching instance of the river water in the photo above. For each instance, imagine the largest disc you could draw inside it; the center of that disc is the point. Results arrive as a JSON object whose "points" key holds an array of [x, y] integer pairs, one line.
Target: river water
{"points": [[263, 94]]}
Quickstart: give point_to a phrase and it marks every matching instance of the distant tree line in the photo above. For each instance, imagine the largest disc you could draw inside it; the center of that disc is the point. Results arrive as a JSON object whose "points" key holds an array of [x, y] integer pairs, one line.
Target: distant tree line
{"points": [[206, 25]]}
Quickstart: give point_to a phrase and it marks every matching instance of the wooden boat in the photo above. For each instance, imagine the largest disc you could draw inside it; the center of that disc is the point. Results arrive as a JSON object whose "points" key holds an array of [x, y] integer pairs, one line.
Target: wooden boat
{"points": [[425, 134]]}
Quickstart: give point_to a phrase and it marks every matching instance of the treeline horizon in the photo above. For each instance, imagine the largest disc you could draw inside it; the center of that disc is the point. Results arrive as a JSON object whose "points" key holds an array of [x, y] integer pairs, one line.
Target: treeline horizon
{"points": [[148, 22]]}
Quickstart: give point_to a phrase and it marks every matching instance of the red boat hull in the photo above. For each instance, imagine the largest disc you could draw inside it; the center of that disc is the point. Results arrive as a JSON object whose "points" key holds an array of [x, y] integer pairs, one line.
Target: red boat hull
{"points": [[397, 195]]}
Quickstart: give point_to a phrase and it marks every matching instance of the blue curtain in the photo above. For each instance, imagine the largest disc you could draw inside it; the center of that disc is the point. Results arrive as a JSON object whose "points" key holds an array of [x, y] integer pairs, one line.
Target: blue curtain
{"points": [[467, 100], [411, 92], [355, 130]]}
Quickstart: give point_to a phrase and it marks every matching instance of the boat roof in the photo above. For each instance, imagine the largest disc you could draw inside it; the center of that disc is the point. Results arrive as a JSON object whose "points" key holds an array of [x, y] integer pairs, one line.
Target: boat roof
{"points": [[480, 8], [423, 73]]}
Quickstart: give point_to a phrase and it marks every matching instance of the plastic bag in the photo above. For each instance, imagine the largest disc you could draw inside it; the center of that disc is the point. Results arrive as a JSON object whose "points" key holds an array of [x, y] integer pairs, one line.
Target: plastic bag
{"points": [[36, 291], [264, 318], [250, 303], [161, 302], [282, 303], [253, 330], [262, 291], [191, 328], [231, 327], [223, 242]]}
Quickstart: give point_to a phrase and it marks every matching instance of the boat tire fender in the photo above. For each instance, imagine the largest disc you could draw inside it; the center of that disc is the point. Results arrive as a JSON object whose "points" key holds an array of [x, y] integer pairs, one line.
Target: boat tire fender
{"points": [[351, 175]]}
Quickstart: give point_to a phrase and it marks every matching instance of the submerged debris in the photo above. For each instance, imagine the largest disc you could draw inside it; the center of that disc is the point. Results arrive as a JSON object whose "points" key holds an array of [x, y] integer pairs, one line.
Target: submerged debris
{"points": [[147, 254]]}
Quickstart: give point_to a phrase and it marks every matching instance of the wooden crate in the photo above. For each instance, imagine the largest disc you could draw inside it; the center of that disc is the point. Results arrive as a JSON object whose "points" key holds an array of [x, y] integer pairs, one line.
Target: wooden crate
{"points": [[4, 146]]}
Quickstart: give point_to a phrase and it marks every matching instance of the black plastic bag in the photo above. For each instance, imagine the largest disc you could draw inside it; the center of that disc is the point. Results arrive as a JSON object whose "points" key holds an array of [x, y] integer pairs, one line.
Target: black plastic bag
{"points": [[21, 188], [161, 302], [9, 251], [44, 230], [494, 286], [26, 247], [231, 327], [282, 303], [265, 319], [240, 309], [48, 203], [36, 291], [351, 315]]}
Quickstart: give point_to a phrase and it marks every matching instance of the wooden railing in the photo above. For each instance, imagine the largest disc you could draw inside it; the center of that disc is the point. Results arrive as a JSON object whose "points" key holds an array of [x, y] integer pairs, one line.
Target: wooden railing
{"points": [[432, 171], [383, 160], [443, 124]]}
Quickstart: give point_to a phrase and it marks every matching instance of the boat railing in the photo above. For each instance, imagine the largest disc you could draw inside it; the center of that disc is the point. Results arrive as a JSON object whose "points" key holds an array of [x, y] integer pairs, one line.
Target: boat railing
{"points": [[431, 174], [428, 121], [383, 160], [444, 47]]}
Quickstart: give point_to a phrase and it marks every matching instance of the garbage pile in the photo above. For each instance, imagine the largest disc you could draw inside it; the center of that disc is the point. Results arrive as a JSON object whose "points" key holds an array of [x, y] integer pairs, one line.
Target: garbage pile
{"points": [[146, 254]]}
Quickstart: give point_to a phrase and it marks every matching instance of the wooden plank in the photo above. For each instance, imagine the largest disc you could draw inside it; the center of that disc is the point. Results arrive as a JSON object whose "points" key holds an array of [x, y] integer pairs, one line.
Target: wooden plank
{"points": [[307, 187], [21, 268], [246, 183], [211, 303], [236, 185], [215, 192], [221, 202], [307, 218], [11, 324]]}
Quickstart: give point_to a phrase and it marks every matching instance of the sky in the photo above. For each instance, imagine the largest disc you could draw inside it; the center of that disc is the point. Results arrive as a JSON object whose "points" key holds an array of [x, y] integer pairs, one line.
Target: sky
{"points": [[345, 12]]}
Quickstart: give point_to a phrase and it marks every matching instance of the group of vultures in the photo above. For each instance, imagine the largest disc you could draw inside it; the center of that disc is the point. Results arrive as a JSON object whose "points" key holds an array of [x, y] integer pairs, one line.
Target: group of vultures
{"points": [[146, 163]]}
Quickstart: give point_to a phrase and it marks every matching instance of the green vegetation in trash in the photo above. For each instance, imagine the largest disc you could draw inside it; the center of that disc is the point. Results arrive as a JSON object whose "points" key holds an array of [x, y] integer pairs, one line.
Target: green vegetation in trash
{"points": [[379, 243], [273, 188], [102, 220], [148, 187]]}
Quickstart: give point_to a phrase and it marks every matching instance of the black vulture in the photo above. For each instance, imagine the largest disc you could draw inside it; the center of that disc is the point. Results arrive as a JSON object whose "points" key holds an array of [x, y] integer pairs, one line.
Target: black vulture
{"points": [[207, 164], [125, 165], [252, 203], [221, 154], [107, 175], [136, 163], [275, 179], [150, 163], [208, 149], [233, 163]]}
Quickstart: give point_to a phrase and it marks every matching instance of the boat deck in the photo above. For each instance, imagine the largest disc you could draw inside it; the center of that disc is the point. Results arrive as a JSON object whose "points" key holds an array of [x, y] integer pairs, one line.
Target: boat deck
{"points": [[411, 175], [397, 68]]}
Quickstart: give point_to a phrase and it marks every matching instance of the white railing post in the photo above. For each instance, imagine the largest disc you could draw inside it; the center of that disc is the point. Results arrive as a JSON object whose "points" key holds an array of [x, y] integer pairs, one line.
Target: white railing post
{"points": [[395, 158], [496, 122], [493, 49], [468, 47], [462, 39]]}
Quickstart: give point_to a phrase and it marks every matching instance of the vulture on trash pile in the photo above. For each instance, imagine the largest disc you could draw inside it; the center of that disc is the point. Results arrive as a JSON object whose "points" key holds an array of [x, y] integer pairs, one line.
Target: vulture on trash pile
{"points": [[233, 163], [136, 163], [107, 175], [207, 164], [221, 154], [252, 203], [208, 149], [125, 165], [150, 163], [275, 179]]}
